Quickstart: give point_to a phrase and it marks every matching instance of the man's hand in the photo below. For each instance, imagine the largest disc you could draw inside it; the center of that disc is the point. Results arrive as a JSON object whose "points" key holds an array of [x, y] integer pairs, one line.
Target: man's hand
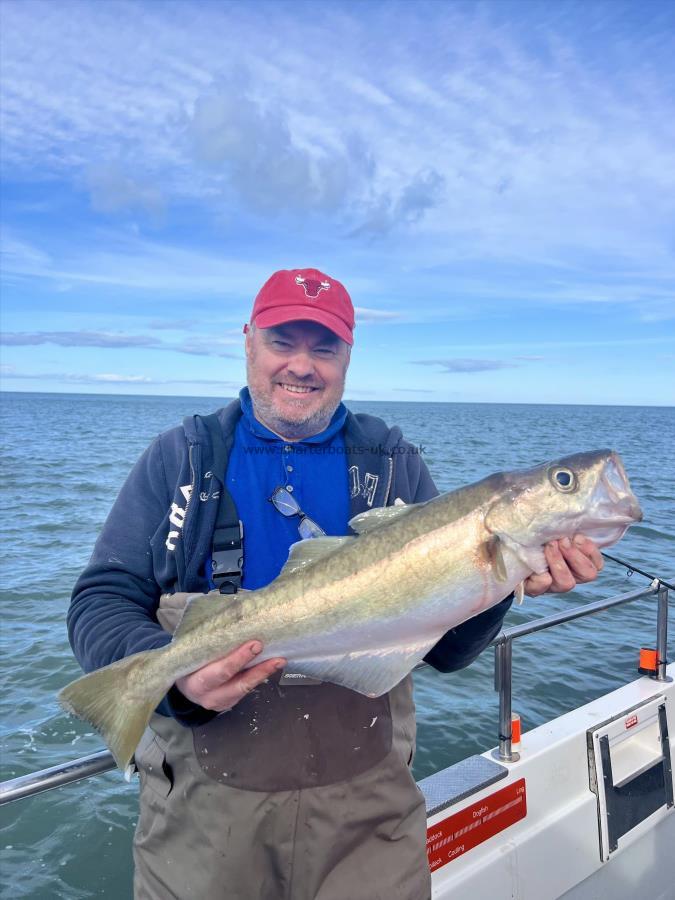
{"points": [[569, 563], [221, 684]]}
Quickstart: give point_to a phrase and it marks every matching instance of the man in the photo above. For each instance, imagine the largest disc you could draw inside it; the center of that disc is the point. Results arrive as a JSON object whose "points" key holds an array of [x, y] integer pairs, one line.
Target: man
{"points": [[299, 791]]}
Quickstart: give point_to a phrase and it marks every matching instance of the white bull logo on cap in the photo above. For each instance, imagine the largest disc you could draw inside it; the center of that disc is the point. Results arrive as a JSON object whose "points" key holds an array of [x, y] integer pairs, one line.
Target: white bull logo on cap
{"points": [[312, 286]]}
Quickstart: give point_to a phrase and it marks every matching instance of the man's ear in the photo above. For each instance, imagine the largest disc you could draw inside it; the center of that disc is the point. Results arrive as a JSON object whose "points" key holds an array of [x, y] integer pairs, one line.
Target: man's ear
{"points": [[248, 332]]}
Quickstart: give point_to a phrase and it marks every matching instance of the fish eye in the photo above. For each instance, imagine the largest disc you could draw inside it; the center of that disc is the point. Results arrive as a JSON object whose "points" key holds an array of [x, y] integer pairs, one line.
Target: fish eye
{"points": [[564, 479]]}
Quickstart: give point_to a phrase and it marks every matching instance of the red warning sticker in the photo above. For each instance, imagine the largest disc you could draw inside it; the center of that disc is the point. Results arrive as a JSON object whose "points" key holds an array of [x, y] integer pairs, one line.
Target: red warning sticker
{"points": [[464, 830]]}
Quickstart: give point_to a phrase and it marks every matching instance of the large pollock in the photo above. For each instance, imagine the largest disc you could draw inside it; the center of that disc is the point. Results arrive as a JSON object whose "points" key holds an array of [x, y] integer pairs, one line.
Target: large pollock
{"points": [[362, 611]]}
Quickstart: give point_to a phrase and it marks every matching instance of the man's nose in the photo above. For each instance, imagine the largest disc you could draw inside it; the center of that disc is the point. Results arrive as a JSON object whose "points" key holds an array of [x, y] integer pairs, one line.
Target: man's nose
{"points": [[301, 364]]}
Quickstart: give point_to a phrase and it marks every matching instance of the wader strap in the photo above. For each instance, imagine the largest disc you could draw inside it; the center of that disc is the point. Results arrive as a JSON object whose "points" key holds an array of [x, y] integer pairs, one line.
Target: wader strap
{"points": [[228, 535]]}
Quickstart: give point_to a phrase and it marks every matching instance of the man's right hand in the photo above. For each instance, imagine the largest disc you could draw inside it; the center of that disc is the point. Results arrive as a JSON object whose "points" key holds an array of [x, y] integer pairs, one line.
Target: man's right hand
{"points": [[221, 684]]}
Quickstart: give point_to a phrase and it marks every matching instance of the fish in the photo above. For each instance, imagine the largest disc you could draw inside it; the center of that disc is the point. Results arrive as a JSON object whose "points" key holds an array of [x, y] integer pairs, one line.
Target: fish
{"points": [[362, 610]]}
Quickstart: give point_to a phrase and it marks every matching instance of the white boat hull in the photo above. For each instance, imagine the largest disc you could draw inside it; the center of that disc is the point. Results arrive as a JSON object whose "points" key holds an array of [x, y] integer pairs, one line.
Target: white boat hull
{"points": [[541, 831]]}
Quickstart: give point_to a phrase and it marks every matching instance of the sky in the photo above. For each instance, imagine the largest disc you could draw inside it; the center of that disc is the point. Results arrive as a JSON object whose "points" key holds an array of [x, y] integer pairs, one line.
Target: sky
{"points": [[493, 182]]}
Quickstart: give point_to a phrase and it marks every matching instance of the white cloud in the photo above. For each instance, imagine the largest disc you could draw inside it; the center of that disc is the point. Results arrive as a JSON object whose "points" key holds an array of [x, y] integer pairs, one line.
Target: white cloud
{"points": [[454, 366], [112, 378], [76, 377], [172, 324], [19, 255], [251, 143], [77, 339], [366, 314], [108, 378], [211, 346], [488, 140], [386, 212], [113, 191], [196, 345], [131, 262], [439, 293]]}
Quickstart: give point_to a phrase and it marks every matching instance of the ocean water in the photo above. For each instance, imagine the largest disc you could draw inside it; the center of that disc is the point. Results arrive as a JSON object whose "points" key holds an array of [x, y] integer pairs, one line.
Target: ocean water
{"points": [[64, 458]]}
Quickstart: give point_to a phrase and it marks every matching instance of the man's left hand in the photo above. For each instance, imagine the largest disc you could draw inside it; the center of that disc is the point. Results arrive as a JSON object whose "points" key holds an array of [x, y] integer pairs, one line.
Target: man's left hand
{"points": [[570, 562]]}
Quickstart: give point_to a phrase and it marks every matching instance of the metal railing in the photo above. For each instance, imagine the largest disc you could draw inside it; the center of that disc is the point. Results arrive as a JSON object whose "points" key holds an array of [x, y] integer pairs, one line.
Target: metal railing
{"points": [[504, 651], [96, 763], [56, 776]]}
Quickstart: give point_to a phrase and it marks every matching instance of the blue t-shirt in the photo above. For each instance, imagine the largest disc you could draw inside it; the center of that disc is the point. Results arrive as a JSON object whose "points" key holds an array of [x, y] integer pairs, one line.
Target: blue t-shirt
{"points": [[260, 461]]}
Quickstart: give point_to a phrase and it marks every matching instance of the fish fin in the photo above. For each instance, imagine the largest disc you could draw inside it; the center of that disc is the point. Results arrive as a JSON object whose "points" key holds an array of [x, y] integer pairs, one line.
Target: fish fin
{"points": [[303, 553], [369, 672], [202, 607], [495, 552], [382, 515], [519, 592], [109, 700], [530, 556]]}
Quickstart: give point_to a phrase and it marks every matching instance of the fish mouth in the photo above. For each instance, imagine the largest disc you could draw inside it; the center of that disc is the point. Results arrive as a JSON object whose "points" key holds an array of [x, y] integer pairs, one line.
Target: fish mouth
{"points": [[616, 497], [608, 531], [617, 507]]}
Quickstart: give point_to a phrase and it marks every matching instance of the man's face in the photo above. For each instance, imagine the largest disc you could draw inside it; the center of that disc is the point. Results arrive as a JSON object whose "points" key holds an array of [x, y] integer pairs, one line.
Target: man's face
{"points": [[296, 376]]}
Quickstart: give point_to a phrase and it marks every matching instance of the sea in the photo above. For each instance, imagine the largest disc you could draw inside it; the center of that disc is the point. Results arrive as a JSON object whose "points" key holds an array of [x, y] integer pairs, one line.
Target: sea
{"points": [[64, 459]]}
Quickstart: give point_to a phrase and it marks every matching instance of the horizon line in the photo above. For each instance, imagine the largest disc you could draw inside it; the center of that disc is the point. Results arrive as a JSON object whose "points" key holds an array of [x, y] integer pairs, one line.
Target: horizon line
{"points": [[348, 400]]}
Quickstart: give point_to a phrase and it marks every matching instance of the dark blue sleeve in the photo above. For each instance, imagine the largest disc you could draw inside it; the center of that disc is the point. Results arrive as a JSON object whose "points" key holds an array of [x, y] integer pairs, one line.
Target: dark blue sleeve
{"points": [[460, 646], [114, 602]]}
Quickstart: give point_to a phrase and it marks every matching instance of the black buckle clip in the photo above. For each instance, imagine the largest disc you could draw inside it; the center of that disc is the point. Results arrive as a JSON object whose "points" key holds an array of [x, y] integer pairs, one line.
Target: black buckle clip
{"points": [[227, 558]]}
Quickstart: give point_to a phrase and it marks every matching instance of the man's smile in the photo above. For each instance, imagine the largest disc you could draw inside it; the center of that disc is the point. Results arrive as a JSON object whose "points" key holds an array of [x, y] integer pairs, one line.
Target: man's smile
{"points": [[296, 388]]}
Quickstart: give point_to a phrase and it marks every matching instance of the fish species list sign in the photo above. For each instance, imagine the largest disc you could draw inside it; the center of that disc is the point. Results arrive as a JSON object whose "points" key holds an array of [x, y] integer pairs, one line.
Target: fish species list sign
{"points": [[464, 830]]}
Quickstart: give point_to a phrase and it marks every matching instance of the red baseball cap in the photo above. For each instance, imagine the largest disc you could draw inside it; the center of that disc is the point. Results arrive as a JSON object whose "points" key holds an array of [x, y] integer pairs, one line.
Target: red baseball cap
{"points": [[293, 294]]}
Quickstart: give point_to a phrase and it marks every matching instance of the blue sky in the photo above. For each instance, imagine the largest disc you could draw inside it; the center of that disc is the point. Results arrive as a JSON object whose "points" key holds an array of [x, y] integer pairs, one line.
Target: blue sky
{"points": [[494, 182]]}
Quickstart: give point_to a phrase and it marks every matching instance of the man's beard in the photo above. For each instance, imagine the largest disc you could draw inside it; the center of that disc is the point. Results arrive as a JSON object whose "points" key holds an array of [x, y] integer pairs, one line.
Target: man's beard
{"points": [[306, 425]]}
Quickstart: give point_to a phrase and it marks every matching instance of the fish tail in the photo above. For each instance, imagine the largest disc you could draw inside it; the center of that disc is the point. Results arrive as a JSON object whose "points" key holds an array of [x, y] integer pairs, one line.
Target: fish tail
{"points": [[113, 701]]}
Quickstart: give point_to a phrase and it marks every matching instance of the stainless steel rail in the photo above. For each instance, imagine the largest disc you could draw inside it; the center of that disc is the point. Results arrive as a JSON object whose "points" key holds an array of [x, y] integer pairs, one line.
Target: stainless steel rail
{"points": [[56, 776], [96, 763], [504, 650]]}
